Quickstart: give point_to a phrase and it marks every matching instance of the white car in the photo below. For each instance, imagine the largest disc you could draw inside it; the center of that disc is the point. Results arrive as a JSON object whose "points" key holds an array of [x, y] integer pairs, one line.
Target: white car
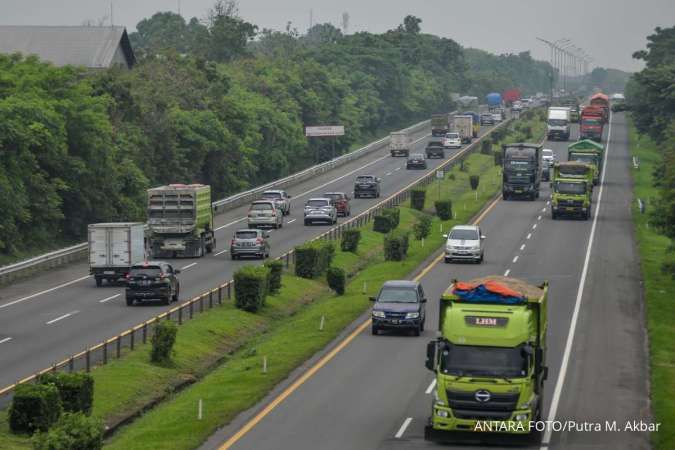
{"points": [[452, 140], [265, 213], [465, 242], [320, 210], [548, 156]]}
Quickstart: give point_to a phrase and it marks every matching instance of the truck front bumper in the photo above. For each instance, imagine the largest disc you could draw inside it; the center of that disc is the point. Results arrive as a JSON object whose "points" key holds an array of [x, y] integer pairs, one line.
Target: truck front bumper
{"points": [[438, 428], [570, 210], [394, 324]]}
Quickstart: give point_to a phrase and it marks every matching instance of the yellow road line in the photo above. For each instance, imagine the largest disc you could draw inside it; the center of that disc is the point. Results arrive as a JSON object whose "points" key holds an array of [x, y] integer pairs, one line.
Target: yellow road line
{"points": [[323, 361]]}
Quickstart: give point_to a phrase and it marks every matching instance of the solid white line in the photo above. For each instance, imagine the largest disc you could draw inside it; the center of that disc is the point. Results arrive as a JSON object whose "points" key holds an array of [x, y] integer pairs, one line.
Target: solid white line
{"points": [[577, 305], [7, 339], [44, 292], [431, 386], [534, 227], [109, 298], [188, 266], [292, 220], [508, 271], [522, 247], [401, 430], [61, 317], [529, 235], [515, 258], [221, 252]]}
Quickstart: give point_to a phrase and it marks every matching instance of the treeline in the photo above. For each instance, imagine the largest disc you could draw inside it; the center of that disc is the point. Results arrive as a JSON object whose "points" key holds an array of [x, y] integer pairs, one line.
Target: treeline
{"points": [[216, 102], [650, 95]]}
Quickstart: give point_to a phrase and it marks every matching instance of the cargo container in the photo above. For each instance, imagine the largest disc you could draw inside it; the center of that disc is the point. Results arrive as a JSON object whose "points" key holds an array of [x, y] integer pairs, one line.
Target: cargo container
{"points": [[114, 248]]}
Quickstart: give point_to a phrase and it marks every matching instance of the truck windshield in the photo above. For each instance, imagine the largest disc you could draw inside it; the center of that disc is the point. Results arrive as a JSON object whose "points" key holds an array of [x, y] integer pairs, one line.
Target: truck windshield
{"points": [[452, 135], [468, 360], [590, 122], [397, 295], [519, 164], [583, 157], [557, 122], [564, 187]]}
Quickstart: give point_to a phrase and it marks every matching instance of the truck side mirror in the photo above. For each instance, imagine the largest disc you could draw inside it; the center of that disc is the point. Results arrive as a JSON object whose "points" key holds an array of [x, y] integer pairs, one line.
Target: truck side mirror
{"points": [[430, 362], [176, 271], [544, 373], [372, 299]]}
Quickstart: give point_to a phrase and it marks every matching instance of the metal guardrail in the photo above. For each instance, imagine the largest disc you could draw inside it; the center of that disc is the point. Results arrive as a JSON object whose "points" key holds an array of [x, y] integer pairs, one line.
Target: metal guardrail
{"points": [[112, 348], [79, 251]]}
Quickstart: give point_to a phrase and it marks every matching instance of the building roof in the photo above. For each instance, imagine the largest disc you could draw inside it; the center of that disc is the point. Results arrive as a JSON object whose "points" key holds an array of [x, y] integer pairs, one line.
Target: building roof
{"points": [[92, 47]]}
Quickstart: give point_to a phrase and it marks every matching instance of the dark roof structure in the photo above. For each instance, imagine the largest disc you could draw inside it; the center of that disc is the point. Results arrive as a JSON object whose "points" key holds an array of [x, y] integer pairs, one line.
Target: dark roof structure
{"points": [[92, 47]]}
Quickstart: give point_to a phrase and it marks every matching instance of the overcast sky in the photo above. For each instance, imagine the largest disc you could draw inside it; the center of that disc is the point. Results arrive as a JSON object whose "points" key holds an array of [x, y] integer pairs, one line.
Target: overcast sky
{"points": [[609, 30]]}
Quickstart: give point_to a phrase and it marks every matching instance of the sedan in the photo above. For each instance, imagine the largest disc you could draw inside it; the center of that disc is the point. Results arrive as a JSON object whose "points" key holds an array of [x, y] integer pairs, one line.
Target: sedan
{"points": [[416, 161]]}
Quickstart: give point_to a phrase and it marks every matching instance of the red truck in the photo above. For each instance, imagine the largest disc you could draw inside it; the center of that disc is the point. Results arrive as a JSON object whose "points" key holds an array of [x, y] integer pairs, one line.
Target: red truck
{"points": [[590, 123], [511, 95], [602, 101]]}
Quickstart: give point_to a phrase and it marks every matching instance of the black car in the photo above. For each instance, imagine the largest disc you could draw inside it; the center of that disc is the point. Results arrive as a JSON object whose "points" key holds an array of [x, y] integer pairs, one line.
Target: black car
{"points": [[416, 161], [435, 149], [152, 280], [250, 243], [367, 186], [399, 305]]}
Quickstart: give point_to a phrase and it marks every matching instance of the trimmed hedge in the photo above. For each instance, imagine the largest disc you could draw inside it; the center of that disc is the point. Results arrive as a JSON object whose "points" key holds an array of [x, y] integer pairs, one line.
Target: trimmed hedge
{"points": [[74, 431], [35, 407], [163, 339], [276, 268], [498, 157], [76, 390], [444, 209], [474, 180], [337, 279], [394, 215], [387, 220], [486, 146], [422, 226], [313, 258], [417, 199], [250, 287], [350, 240], [396, 246]]}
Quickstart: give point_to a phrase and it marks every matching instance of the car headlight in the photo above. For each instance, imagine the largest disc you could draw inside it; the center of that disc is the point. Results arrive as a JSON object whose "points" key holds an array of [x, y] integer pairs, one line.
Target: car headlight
{"points": [[412, 315], [379, 314], [441, 413], [521, 417]]}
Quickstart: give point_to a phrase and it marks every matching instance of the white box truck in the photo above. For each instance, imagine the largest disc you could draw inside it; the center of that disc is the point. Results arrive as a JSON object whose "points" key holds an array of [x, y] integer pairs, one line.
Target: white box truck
{"points": [[399, 143], [463, 124], [114, 248], [558, 123]]}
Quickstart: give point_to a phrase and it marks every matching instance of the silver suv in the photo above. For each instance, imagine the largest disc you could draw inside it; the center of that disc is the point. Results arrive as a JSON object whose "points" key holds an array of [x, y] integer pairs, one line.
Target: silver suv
{"points": [[250, 243], [280, 198], [465, 242], [265, 213], [320, 210]]}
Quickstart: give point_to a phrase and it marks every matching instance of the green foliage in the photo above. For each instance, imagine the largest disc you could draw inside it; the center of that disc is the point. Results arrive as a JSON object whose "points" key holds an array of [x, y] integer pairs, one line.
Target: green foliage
{"points": [[444, 209], [422, 227], [163, 340], [486, 146], [250, 287], [396, 246], [382, 223], [276, 268], [417, 198], [394, 215], [498, 157], [474, 180], [350, 240], [313, 258], [337, 279], [76, 390], [35, 407], [73, 431]]}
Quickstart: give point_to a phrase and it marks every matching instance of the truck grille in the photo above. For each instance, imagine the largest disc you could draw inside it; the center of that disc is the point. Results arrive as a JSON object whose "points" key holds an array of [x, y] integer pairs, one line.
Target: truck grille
{"points": [[395, 315], [571, 203], [465, 406]]}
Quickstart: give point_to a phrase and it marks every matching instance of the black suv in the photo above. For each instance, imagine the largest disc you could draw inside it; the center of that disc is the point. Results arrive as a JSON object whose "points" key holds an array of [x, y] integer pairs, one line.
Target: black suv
{"points": [[399, 305], [416, 161], [435, 149], [367, 186], [152, 280]]}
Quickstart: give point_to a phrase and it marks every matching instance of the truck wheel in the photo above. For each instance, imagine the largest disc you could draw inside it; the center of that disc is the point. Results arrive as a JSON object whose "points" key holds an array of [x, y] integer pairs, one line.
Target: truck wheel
{"points": [[176, 294], [374, 330], [416, 331], [233, 256], [554, 216], [166, 300], [99, 281], [130, 301]]}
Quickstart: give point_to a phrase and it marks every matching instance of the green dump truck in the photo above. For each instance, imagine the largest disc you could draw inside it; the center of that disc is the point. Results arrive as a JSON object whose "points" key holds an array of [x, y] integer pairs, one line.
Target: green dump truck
{"points": [[180, 220], [589, 152], [489, 358], [572, 191]]}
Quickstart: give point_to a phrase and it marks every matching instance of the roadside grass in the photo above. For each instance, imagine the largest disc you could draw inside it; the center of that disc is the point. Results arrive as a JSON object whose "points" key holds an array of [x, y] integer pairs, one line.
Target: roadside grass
{"points": [[659, 291]]}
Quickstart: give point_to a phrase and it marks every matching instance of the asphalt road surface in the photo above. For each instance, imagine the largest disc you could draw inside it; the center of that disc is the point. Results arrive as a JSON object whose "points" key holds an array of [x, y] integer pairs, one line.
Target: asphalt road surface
{"points": [[376, 394]]}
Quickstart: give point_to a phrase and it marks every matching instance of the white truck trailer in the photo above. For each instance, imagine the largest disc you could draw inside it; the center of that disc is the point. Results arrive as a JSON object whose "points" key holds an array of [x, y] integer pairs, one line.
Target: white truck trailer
{"points": [[114, 248]]}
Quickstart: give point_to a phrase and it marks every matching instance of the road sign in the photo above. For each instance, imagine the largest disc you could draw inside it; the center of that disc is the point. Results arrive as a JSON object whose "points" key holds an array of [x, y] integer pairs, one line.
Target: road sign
{"points": [[440, 174], [329, 130]]}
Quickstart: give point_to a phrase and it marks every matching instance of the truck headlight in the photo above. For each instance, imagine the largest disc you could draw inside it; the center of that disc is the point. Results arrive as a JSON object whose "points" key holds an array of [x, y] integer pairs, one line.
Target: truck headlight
{"points": [[521, 417], [379, 314], [441, 413], [412, 315]]}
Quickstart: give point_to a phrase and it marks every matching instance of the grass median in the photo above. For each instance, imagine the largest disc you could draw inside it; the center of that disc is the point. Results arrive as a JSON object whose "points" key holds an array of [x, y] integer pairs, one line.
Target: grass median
{"points": [[659, 289]]}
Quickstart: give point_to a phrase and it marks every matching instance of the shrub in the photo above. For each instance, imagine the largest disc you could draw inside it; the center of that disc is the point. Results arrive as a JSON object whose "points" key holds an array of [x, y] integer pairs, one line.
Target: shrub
{"points": [[444, 209], [498, 157], [163, 339], [76, 390], [422, 227], [486, 146], [35, 407], [396, 246], [336, 279], [417, 198], [275, 267], [474, 180], [382, 223], [394, 215], [463, 166], [313, 258], [74, 431], [250, 287], [350, 240], [527, 130]]}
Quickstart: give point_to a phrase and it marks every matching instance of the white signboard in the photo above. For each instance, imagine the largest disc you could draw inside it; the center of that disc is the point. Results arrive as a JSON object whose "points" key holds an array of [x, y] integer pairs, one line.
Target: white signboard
{"points": [[440, 174], [337, 130]]}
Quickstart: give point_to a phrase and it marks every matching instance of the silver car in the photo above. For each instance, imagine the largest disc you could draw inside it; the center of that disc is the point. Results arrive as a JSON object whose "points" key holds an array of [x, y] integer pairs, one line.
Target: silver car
{"points": [[320, 210], [280, 198], [464, 242], [265, 213], [452, 140], [250, 243]]}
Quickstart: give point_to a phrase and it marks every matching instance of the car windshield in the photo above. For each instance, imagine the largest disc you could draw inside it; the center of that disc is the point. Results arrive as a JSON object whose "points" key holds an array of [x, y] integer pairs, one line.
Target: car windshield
{"points": [[590, 122], [333, 196], [149, 271], [547, 153], [272, 195], [557, 122], [564, 187], [261, 206], [248, 234], [452, 135], [416, 156], [317, 203], [468, 360], [397, 295], [464, 235], [364, 179]]}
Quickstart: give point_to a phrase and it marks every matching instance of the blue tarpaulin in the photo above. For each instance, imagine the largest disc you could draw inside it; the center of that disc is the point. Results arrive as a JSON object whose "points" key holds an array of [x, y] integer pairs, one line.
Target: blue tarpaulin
{"points": [[483, 294]]}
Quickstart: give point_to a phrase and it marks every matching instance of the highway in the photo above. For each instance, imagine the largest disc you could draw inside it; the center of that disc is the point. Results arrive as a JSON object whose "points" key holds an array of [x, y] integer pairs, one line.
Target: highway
{"points": [[376, 393], [50, 316]]}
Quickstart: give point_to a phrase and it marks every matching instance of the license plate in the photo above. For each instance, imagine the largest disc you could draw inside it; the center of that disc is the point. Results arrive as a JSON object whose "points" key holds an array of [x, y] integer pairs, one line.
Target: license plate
{"points": [[108, 272], [569, 209], [395, 321], [145, 282], [518, 191]]}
